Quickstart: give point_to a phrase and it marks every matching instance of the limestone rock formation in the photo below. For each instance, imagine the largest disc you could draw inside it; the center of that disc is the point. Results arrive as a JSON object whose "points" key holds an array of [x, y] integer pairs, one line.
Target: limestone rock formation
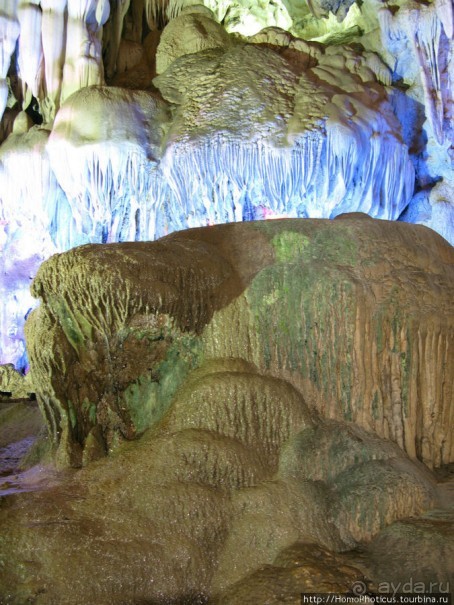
{"points": [[297, 569], [269, 108], [14, 384], [190, 33], [107, 165], [262, 392], [419, 538], [356, 314], [301, 141], [247, 402]]}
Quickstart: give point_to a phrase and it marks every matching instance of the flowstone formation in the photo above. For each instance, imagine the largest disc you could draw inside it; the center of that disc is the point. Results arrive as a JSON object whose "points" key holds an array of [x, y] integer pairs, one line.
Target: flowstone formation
{"points": [[127, 121], [356, 313], [248, 402]]}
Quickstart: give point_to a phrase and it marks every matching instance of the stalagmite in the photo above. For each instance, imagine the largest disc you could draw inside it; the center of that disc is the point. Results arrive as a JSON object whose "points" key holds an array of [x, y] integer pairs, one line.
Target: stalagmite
{"points": [[335, 307]]}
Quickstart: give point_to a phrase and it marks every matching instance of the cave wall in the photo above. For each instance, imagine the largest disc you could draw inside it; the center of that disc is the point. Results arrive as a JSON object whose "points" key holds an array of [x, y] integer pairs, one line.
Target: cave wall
{"points": [[125, 121]]}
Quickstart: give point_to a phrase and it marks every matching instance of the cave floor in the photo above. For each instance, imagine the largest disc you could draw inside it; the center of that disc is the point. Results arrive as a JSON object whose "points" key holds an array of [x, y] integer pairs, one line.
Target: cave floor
{"points": [[38, 495]]}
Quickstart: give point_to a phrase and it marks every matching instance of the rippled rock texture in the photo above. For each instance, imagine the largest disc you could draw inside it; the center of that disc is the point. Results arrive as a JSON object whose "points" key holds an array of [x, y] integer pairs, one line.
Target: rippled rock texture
{"points": [[248, 402], [355, 314]]}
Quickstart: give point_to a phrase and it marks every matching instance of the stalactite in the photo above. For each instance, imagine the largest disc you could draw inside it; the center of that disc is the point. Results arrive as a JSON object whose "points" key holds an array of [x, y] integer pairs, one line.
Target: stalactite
{"points": [[83, 61], [9, 32], [54, 44], [30, 50], [424, 31], [113, 38], [108, 171]]}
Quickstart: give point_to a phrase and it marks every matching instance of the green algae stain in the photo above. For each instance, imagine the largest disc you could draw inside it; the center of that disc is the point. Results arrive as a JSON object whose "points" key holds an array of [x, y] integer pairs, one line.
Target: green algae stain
{"points": [[304, 305], [296, 306], [329, 242], [148, 398], [70, 328], [141, 401], [75, 326], [290, 246]]}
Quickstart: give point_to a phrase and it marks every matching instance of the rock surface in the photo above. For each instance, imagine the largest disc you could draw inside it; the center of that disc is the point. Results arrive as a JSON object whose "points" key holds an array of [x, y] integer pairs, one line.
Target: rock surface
{"points": [[356, 314], [188, 34], [14, 384], [304, 109], [300, 141], [209, 366], [106, 161]]}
